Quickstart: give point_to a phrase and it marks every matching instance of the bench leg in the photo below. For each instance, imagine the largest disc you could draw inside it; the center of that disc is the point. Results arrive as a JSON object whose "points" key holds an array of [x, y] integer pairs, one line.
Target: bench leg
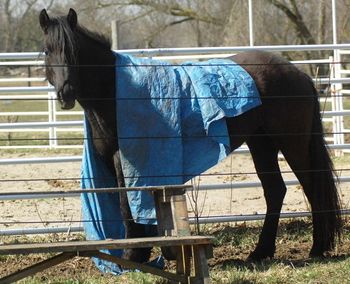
{"points": [[183, 261], [143, 267], [201, 270], [165, 222], [31, 270]]}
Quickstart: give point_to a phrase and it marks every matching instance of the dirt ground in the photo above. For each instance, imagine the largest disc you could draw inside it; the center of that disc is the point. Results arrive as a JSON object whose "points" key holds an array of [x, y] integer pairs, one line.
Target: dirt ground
{"points": [[65, 176]]}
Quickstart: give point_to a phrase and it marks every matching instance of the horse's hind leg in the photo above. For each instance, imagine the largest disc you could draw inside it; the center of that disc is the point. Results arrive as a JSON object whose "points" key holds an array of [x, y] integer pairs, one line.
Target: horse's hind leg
{"points": [[298, 155], [265, 157]]}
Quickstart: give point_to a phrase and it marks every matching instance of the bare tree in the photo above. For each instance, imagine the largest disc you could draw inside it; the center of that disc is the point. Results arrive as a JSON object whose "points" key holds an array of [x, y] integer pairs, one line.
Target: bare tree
{"points": [[309, 22], [191, 22], [225, 21], [344, 20], [291, 10], [173, 8], [14, 14]]}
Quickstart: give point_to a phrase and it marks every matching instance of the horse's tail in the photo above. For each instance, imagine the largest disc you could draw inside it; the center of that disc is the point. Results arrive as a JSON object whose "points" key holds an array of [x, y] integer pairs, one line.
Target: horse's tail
{"points": [[326, 210]]}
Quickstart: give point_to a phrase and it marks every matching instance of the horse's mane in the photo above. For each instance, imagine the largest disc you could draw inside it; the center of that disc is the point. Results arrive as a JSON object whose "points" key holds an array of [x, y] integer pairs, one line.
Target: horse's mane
{"points": [[97, 37], [61, 37]]}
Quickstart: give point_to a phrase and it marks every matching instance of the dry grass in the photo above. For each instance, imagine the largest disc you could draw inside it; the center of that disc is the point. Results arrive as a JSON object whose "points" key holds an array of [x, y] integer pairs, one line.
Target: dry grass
{"points": [[229, 265]]}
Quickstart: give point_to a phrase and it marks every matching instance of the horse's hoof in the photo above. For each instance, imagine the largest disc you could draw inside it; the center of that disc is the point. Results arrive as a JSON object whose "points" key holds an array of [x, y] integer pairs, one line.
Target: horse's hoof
{"points": [[316, 253], [259, 255], [140, 255], [169, 253]]}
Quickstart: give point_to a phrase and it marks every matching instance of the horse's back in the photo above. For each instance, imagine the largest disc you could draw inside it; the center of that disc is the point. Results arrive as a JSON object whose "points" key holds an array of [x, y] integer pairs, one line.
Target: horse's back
{"points": [[263, 63], [274, 75], [288, 95]]}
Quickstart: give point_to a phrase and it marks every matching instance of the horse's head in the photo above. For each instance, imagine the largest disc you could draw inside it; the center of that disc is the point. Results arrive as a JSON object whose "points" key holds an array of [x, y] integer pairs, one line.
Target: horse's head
{"points": [[61, 56]]}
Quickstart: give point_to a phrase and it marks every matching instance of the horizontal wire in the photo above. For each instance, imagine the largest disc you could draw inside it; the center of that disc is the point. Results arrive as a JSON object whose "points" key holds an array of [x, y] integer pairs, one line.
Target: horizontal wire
{"points": [[72, 221], [7, 223], [171, 137], [183, 64], [305, 98], [175, 176]]}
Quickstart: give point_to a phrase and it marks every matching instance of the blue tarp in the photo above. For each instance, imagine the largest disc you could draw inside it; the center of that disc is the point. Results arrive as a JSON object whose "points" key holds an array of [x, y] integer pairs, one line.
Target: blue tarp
{"points": [[100, 211], [171, 123], [171, 127]]}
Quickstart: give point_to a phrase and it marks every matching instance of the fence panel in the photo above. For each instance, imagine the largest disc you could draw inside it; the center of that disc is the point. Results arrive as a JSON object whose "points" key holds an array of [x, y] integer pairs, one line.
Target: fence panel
{"points": [[57, 122]]}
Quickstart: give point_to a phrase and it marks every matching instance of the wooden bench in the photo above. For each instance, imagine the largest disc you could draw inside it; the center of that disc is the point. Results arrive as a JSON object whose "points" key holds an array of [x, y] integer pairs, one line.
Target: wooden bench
{"points": [[189, 252]]}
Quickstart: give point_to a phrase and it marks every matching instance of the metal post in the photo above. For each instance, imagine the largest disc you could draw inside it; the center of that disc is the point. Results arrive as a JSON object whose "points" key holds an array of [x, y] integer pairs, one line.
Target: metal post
{"points": [[52, 118], [115, 32], [337, 87], [251, 27], [334, 20], [54, 141]]}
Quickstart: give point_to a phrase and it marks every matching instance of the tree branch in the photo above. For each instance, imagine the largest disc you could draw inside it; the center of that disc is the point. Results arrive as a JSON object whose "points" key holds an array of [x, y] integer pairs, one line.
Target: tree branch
{"points": [[297, 20], [151, 37], [173, 9]]}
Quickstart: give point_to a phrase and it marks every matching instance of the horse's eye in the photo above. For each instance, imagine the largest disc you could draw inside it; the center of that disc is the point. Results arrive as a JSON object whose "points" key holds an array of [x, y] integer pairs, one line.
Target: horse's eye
{"points": [[46, 52]]}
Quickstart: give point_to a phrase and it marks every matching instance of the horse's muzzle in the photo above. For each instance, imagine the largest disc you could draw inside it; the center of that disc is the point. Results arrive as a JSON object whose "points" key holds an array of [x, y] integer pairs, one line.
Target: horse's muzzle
{"points": [[66, 105], [66, 97]]}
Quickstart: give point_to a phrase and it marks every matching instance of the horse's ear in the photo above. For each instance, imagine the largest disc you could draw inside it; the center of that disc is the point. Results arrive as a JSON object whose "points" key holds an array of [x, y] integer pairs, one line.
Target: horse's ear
{"points": [[72, 18], [44, 20]]}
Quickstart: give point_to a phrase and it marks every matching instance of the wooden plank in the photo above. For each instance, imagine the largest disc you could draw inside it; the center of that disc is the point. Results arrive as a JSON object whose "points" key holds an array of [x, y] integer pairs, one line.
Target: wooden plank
{"points": [[209, 251], [183, 262], [31, 270], [180, 215], [201, 269], [164, 215], [142, 267], [104, 244], [165, 223]]}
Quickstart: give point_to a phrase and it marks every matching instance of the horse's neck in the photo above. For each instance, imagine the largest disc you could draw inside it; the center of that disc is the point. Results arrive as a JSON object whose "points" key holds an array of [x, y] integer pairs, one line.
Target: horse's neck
{"points": [[97, 78], [98, 89], [104, 135]]}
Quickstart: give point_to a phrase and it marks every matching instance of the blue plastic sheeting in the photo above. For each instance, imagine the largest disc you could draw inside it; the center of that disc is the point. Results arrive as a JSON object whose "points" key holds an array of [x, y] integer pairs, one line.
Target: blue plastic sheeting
{"points": [[171, 124], [101, 211], [171, 127]]}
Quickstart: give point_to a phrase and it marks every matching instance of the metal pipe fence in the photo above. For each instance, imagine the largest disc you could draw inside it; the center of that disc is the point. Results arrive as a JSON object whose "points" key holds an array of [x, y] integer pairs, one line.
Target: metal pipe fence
{"points": [[193, 53], [335, 82]]}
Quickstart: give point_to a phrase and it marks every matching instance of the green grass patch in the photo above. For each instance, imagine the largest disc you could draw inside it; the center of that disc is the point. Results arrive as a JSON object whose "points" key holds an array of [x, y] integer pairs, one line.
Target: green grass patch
{"points": [[39, 138], [35, 138], [318, 271]]}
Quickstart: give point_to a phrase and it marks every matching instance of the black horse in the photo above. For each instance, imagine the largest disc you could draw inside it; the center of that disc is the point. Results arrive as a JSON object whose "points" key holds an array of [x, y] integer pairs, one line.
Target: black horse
{"points": [[81, 67]]}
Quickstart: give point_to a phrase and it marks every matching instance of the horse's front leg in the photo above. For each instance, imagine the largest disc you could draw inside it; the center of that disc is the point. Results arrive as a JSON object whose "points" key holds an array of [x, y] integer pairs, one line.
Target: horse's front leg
{"points": [[132, 229]]}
